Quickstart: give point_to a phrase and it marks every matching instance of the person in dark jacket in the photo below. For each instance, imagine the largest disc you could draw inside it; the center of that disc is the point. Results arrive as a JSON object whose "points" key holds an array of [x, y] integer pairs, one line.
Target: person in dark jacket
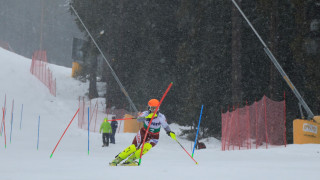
{"points": [[106, 132], [114, 126]]}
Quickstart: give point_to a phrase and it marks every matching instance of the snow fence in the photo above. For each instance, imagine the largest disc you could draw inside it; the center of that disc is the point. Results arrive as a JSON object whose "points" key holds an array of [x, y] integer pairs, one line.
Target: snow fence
{"points": [[41, 71], [97, 112], [258, 125]]}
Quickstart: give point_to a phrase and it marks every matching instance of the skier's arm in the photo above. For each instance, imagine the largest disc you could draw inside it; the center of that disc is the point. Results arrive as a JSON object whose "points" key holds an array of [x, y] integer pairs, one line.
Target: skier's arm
{"points": [[170, 133], [142, 116], [166, 127]]}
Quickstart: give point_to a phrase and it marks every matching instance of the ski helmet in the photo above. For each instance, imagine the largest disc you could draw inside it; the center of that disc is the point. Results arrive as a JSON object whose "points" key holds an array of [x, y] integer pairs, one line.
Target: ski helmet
{"points": [[153, 104]]}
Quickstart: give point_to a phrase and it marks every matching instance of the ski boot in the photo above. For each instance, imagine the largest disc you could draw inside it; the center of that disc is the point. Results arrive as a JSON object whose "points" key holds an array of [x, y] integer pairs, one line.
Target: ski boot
{"points": [[123, 155], [116, 161], [131, 161]]}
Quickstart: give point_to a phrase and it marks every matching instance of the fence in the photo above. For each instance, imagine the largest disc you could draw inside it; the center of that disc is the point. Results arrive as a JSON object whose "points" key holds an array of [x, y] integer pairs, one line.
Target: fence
{"points": [[42, 72], [260, 124], [97, 112]]}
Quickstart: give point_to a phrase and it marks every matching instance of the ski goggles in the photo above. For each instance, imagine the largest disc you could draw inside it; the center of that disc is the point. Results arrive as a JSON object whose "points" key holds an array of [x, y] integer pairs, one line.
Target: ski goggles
{"points": [[152, 108]]}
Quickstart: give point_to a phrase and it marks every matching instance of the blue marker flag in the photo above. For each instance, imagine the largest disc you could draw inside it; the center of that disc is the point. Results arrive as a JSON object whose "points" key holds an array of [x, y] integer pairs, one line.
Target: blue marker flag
{"points": [[195, 141]]}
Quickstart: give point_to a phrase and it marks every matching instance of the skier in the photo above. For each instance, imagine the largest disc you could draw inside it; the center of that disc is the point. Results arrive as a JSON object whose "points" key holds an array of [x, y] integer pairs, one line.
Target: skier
{"points": [[106, 131], [134, 150]]}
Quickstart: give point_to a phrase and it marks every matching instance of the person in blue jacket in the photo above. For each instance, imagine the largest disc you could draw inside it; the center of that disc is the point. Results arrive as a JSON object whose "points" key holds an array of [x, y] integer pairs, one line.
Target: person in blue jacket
{"points": [[114, 126]]}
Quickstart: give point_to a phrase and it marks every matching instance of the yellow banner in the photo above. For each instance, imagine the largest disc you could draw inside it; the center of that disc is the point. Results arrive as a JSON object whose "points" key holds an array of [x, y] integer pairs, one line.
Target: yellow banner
{"points": [[306, 132], [75, 69]]}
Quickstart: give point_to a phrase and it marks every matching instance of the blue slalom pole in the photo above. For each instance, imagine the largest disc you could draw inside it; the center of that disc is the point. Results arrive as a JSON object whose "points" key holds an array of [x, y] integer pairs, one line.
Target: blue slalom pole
{"points": [[11, 121], [88, 129], [38, 133], [21, 116], [195, 141]]}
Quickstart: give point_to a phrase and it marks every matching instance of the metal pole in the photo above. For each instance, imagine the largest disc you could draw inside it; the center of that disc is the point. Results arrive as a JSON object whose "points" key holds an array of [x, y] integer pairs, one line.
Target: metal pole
{"points": [[278, 66], [112, 71]]}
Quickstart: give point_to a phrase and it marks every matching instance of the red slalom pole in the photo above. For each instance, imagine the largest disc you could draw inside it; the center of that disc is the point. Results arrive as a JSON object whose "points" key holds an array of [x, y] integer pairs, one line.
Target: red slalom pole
{"points": [[155, 112], [64, 132], [4, 129], [187, 152], [121, 119]]}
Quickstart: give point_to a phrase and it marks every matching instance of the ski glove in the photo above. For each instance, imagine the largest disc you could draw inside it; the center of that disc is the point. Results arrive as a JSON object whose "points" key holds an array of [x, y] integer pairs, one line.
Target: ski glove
{"points": [[172, 135], [140, 118]]}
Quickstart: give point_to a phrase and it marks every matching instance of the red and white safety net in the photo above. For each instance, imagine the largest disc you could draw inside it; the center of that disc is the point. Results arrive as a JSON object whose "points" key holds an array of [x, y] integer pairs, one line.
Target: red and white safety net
{"points": [[259, 125]]}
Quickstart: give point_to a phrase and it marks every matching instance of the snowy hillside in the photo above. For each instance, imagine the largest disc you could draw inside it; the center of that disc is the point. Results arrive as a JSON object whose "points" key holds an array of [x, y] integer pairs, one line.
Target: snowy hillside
{"points": [[21, 160]]}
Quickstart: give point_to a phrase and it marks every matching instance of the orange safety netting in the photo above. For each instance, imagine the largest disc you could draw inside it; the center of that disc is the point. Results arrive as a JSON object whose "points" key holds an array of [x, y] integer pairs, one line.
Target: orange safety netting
{"points": [[260, 124], [42, 72]]}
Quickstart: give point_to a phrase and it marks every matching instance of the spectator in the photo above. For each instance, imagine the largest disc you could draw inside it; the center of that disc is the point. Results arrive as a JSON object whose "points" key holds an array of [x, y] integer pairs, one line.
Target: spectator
{"points": [[114, 126], [106, 131]]}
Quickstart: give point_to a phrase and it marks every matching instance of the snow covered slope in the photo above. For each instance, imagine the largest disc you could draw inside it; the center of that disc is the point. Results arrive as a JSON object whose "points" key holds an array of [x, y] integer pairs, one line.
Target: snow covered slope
{"points": [[22, 161]]}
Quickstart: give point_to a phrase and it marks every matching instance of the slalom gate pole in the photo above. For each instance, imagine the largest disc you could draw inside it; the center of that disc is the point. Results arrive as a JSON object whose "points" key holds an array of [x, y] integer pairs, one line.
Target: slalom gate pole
{"points": [[4, 129], [155, 112], [38, 133], [11, 120], [64, 132], [121, 119], [5, 102], [195, 141], [186, 151], [88, 128], [21, 116]]}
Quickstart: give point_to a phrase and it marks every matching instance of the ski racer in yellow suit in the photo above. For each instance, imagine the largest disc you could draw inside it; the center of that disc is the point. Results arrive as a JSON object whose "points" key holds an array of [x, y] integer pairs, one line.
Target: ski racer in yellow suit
{"points": [[134, 150]]}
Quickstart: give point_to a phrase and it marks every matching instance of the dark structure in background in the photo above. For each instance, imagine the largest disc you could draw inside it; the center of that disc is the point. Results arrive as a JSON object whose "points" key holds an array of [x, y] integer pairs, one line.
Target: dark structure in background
{"points": [[20, 26], [190, 42]]}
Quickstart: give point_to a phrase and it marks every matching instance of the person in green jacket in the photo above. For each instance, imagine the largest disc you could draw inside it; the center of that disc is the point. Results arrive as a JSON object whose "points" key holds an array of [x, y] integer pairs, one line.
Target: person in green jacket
{"points": [[106, 131]]}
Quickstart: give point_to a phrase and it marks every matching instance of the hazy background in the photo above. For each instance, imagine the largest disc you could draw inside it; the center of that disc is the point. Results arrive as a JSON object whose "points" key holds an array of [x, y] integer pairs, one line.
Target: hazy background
{"points": [[21, 26]]}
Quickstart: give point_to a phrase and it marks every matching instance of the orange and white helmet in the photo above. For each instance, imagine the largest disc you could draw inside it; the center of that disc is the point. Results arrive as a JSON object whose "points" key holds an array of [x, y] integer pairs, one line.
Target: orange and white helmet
{"points": [[153, 104]]}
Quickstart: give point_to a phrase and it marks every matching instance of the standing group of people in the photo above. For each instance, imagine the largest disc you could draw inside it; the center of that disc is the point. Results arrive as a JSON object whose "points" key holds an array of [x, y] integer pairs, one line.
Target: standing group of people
{"points": [[108, 131]]}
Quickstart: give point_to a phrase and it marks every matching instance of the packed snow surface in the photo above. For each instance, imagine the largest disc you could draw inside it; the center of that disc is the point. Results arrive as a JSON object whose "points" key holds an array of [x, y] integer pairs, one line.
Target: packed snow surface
{"points": [[21, 160]]}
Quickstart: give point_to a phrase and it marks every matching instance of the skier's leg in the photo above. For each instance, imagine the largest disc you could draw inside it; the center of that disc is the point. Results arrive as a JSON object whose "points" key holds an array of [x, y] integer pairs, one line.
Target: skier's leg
{"points": [[124, 154], [136, 155], [129, 150]]}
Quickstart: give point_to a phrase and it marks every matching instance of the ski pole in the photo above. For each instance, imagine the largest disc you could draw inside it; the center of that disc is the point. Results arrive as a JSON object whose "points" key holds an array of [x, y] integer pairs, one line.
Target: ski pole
{"points": [[64, 132], [186, 151], [155, 112]]}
